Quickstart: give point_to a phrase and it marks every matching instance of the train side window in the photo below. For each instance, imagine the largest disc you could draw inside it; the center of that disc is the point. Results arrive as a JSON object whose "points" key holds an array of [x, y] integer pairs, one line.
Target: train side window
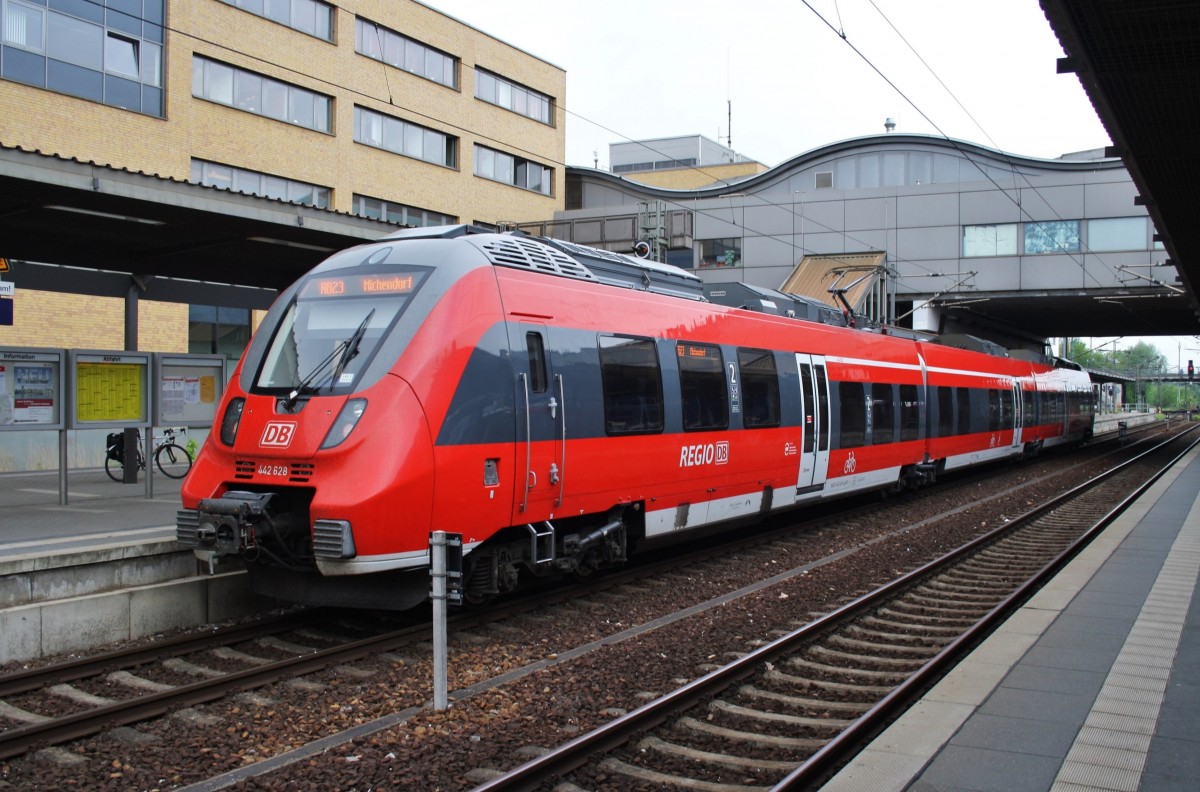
{"points": [[910, 413], [995, 414], [760, 388], [537, 362], [632, 382], [852, 409], [962, 399], [945, 402], [810, 410], [1029, 406], [883, 414], [1009, 408], [702, 389]]}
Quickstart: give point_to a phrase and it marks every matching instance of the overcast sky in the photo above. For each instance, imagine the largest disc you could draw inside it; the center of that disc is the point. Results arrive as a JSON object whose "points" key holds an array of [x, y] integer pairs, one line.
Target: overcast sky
{"points": [[983, 71], [656, 68]]}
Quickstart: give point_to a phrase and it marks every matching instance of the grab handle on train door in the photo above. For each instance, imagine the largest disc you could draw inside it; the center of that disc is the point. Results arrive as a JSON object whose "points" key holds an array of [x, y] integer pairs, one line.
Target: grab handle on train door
{"points": [[528, 445], [560, 475]]}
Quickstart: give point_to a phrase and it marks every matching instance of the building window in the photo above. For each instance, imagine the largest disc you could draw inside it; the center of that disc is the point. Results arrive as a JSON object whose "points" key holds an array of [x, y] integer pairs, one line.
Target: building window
{"points": [[720, 253], [226, 177], [1052, 236], [214, 330], [1116, 233], [403, 137], [308, 16], [632, 385], [823, 180], [82, 49], [382, 44], [400, 214], [505, 168], [989, 240], [684, 258], [652, 166], [261, 95], [494, 89], [23, 26]]}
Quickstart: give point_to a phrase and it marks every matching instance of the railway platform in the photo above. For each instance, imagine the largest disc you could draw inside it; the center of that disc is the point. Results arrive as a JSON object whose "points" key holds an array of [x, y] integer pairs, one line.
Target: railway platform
{"points": [[1093, 685], [100, 569]]}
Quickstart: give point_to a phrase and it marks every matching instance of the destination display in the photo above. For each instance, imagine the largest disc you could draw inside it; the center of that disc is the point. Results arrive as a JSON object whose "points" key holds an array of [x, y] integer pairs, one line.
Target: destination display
{"points": [[360, 285]]}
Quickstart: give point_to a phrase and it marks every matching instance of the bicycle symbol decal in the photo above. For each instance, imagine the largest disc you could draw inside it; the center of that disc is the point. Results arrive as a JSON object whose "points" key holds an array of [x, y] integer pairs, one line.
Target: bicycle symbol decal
{"points": [[850, 465]]}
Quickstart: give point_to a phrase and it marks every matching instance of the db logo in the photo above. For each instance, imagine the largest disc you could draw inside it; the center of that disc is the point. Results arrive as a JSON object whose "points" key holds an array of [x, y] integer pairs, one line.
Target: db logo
{"points": [[278, 434], [850, 465]]}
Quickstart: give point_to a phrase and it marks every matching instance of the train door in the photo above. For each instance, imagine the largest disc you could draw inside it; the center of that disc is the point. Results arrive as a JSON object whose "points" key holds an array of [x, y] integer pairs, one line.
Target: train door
{"points": [[541, 427], [1018, 416], [814, 438]]}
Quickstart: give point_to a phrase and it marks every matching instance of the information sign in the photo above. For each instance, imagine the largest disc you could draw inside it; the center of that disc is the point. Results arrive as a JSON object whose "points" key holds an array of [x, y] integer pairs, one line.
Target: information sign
{"points": [[31, 389], [188, 389], [111, 387]]}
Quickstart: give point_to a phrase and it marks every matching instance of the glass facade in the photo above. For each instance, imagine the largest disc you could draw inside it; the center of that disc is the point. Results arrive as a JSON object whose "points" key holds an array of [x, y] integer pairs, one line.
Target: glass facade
{"points": [[403, 137], [214, 330], [1052, 236], [989, 240], [308, 16], [254, 93], [720, 253], [226, 177], [399, 213], [501, 167], [494, 89], [376, 41], [1116, 233], [108, 51]]}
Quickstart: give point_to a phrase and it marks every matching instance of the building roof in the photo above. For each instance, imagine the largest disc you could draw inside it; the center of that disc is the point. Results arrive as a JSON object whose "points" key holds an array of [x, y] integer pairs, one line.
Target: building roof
{"points": [[184, 241], [1140, 65]]}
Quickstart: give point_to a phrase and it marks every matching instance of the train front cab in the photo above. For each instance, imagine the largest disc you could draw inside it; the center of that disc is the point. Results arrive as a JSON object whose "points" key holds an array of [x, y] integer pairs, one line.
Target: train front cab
{"points": [[322, 472]]}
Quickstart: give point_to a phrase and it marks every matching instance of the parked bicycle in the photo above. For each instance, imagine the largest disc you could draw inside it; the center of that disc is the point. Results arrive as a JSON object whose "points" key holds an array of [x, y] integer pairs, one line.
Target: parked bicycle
{"points": [[171, 458]]}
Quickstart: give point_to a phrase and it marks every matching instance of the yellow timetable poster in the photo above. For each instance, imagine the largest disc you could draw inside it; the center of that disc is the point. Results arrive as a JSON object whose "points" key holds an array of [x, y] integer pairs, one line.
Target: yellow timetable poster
{"points": [[109, 392]]}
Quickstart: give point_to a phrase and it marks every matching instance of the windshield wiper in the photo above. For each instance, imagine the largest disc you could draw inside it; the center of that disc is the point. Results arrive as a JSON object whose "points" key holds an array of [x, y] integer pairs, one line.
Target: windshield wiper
{"points": [[345, 351], [351, 349], [306, 383]]}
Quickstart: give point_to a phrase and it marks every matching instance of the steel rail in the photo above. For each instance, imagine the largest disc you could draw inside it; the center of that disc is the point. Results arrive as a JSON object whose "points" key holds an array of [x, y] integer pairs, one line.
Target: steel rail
{"points": [[561, 760], [33, 678], [17, 741]]}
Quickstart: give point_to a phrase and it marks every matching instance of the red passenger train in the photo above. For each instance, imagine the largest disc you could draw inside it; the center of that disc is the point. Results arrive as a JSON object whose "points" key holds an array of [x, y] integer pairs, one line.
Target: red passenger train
{"points": [[560, 406]]}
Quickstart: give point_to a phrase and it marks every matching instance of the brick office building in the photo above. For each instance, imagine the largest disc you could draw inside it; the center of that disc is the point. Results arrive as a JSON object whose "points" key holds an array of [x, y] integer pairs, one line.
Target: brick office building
{"points": [[381, 108]]}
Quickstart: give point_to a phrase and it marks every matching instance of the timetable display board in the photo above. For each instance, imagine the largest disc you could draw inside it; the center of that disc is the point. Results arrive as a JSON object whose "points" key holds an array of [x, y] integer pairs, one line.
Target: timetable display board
{"points": [[32, 390], [188, 388], [110, 388]]}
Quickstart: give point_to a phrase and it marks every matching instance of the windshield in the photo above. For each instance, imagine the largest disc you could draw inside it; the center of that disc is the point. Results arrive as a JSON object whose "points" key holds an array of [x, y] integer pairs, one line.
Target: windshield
{"points": [[332, 329]]}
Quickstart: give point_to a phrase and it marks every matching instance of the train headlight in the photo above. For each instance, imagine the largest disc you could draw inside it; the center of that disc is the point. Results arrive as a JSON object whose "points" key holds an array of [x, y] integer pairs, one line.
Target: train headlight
{"points": [[347, 418], [229, 423]]}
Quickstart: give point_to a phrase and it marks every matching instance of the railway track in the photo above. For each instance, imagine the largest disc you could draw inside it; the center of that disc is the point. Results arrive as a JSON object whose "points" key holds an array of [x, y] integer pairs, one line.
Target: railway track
{"points": [[243, 665], [781, 716]]}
